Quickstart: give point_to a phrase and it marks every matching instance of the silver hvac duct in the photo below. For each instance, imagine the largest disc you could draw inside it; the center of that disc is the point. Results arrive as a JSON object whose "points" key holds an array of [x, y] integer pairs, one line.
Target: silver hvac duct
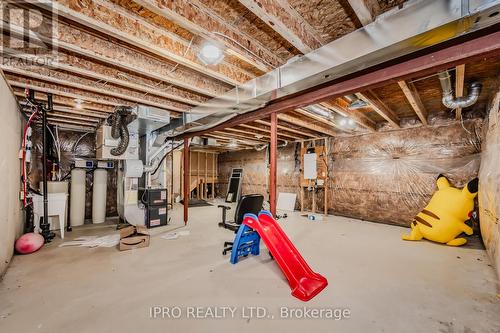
{"points": [[320, 111], [398, 32], [460, 102]]}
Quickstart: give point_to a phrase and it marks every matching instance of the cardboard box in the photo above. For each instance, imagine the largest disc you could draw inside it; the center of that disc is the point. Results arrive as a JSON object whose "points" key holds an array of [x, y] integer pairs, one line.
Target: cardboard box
{"points": [[133, 237]]}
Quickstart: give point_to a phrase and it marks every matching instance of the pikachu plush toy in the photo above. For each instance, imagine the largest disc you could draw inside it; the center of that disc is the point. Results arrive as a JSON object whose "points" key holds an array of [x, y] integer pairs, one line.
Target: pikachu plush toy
{"points": [[443, 219]]}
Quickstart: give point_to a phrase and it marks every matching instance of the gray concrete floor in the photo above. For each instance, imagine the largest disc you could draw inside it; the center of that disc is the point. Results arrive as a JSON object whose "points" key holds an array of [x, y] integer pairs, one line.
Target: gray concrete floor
{"points": [[387, 285]]}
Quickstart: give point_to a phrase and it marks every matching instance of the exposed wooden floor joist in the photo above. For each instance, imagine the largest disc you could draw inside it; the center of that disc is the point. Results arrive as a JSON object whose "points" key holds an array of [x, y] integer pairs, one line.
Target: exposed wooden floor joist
{"points": [[379, 107], [200, 20], [413, 98], [132, 96], [459, 86], [108, 19], [285, 20]]}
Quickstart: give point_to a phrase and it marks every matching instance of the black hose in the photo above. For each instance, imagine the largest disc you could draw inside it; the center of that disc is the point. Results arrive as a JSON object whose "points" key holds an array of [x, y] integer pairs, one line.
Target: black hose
{"points": [[163, 158], [119, 129], [115, 125], [122, 146]]}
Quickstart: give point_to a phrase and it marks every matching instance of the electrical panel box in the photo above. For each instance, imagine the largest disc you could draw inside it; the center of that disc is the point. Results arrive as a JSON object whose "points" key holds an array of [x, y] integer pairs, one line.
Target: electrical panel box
{"points": [[314, 166], [105, 142], [310, 166]]}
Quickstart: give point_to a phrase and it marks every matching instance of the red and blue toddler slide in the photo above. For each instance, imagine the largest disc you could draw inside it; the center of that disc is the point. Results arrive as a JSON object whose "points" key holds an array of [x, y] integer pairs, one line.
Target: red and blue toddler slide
{"points": [[304, 282]]}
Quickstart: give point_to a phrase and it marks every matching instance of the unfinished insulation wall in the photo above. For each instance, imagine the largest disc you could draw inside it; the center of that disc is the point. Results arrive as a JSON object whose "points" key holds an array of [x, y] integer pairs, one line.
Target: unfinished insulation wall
{"points": [[382, 177], [389, 177], [489, 185], [256, 173], [84, 149]]}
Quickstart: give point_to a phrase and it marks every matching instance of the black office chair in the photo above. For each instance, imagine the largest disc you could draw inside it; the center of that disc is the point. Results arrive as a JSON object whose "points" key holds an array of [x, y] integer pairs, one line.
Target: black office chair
{"points": [[251, 203]]}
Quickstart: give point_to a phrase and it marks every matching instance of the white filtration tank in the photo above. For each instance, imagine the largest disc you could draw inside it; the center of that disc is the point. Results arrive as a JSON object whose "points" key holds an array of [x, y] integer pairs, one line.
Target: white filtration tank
{"points": [[99, 196], [77, 197]]}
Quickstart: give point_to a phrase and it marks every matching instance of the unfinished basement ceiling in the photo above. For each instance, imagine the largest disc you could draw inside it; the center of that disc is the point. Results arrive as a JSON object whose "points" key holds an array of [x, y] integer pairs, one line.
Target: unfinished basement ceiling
{"points": [[99, 42], [121, 52]]}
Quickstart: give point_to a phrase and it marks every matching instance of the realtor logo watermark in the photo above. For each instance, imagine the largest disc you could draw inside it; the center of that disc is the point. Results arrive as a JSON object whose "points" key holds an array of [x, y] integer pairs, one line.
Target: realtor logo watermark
{"points": [[27, 32], [247, 312]]}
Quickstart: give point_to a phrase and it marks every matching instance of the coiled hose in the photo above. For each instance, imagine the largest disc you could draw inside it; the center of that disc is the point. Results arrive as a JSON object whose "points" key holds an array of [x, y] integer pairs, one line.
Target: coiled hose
{"points": [[119, 129]]}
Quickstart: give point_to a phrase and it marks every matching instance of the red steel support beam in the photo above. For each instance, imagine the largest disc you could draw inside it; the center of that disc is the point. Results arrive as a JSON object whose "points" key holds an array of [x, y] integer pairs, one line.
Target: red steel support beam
{"points": [[186, 179], [272, 161], [487, 46]]}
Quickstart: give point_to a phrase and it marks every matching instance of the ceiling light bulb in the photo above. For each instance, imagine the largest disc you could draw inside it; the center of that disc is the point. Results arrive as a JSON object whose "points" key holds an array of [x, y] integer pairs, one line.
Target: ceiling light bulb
{"points": [[210, 54], [78, 103], [232, 144], [343, 122], [350, 122]]}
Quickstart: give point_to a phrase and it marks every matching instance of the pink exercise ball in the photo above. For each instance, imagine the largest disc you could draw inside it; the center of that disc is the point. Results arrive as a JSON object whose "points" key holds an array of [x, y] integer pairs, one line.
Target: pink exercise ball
{"points": [[29, 243]]}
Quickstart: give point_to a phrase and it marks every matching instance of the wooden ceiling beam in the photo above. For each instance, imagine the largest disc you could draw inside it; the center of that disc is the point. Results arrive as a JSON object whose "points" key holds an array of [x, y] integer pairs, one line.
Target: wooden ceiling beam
{"points": [[132, 96], [380, 107], [93, 74], [253, 132], [413, 98], [62, 102], [341, 107], [112, 20], [245, 142], [365, 10], [74, 122], [320, 119], [71, 40], [56, 90], [72, 127], [239, 136], [430, 62], [459, 87], [303, 123], [284, 19], [286, 128], [62, 115], [197, 18], [266, 132], [63, 110]]}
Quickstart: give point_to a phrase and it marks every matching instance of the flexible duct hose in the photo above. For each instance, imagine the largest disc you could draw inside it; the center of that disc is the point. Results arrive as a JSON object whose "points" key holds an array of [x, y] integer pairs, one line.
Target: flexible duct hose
{"points": [[124, 140], [460, 102], [115, 125], [119, 129]]}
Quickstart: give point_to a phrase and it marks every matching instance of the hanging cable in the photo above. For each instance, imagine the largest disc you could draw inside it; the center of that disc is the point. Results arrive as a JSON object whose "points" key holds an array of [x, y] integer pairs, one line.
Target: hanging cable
{"points": [[163, 158], [78, 141]]}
